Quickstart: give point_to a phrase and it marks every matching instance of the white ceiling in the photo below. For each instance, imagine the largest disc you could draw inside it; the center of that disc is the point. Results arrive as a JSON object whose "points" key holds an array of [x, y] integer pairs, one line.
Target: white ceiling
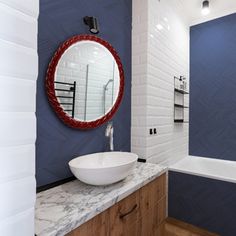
{"points": [[218, 8]]}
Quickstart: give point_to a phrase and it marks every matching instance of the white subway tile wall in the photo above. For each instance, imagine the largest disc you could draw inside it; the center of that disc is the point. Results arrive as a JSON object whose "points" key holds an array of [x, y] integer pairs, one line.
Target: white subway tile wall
{"points": [[80, 64], [160, 41], [18, 74]]}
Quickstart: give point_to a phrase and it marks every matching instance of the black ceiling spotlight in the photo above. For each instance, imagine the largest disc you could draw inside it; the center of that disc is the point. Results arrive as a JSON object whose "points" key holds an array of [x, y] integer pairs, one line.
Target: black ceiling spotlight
{"points": [[92, 23], [205, 7]]}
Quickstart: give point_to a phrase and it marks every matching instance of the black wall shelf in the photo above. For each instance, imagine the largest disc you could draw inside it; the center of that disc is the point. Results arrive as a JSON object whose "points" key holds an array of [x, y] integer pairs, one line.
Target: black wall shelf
{"points": [[180, 106], [178, 120], [179, 89]]}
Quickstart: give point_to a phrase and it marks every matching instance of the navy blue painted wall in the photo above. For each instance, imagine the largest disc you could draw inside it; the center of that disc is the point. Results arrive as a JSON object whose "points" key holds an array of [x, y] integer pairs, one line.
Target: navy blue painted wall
{"points": [[56, 143], [203, 202], [213, 89]]}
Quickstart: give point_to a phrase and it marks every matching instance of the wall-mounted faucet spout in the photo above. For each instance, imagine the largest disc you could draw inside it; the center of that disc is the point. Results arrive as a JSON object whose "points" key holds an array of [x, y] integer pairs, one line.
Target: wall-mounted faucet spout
{"points": [[109, 133]]}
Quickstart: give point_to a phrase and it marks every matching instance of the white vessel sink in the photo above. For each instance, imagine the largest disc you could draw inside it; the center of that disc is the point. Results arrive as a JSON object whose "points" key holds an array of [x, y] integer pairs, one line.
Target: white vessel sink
{"points": [[103, 168]]}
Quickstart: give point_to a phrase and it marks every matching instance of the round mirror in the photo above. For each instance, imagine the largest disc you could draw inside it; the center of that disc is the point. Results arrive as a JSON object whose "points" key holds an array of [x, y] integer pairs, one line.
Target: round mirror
{"points": [[85, 81]]}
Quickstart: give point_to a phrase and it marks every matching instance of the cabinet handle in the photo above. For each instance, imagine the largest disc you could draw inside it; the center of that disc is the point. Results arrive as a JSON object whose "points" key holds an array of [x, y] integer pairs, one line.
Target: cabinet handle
{"points": [[129, 212]]}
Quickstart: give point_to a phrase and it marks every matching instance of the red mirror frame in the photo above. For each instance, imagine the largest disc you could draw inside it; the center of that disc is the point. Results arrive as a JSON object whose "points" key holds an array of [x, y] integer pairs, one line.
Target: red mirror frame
{"points": [[71, 122]]}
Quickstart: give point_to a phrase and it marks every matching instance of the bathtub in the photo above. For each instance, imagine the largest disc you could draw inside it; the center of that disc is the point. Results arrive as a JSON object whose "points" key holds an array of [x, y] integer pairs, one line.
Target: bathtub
{"points": [[202, 192], [207, 167]]}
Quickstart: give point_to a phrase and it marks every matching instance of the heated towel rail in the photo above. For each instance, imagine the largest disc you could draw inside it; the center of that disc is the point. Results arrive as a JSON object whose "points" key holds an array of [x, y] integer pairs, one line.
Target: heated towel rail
{"points": [[66, 95]]}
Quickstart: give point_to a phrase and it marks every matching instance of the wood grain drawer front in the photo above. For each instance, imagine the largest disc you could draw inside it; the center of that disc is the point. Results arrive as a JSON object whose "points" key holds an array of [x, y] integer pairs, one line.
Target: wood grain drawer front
{"points": [[97, 226], [151, 222], [152, 193], [140, 214], [124, 216]]}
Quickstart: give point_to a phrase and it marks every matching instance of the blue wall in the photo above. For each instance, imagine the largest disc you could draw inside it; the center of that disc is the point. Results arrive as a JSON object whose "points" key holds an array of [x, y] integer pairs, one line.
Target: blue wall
{"points": [[213, 89], [56, 143], [203, 202]]}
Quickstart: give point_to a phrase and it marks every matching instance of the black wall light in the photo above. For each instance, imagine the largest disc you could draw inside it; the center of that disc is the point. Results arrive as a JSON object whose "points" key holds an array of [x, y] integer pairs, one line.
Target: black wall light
{"points": [[205, 7], [92, 23]]}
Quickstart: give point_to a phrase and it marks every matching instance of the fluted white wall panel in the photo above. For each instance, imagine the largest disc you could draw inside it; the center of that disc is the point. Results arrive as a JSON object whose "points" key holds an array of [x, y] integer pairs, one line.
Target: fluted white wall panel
{"points": [[21, 224], [17, 60], [21, 95], [17, 162], [17, 128], [11, 24], [18, 74], [15, 189], [28, 7]]}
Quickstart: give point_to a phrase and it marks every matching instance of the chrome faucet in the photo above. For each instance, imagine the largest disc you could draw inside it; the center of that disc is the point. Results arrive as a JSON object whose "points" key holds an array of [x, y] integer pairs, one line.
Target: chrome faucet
{"points": [[109, 133]]}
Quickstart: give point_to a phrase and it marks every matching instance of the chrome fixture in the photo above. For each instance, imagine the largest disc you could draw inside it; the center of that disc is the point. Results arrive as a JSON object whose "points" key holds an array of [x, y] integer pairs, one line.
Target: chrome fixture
{"points": [[205, 8], [92, 23], [109, 81], [105, 88], [109, 133]]}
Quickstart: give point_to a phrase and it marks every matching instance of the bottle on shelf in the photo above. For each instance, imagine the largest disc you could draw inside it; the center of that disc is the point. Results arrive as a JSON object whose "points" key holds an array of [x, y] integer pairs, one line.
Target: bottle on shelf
{"points": [[181, 86]]}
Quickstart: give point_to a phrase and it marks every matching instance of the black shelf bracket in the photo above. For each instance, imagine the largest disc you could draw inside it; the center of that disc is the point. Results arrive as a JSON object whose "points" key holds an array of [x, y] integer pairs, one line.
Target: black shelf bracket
{"points": [[181, 91], [180, 106]]}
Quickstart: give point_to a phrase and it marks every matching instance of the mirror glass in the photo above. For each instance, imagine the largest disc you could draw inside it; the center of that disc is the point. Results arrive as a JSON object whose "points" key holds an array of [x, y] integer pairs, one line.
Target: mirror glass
{"points": [[87, 81]]}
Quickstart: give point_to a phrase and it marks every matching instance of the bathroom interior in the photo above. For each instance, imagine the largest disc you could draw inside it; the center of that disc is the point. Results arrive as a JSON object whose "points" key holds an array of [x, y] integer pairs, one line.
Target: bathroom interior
{"points": [[118, 117]]}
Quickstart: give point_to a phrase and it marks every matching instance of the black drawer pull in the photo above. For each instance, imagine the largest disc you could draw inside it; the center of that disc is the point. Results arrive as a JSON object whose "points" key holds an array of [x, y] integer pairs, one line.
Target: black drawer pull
{"points": [[129, 212]]}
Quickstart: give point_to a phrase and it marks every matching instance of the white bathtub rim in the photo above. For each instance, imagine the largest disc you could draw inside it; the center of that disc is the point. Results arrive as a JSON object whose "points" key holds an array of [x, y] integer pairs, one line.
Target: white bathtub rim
{"points": [[177, 167]]}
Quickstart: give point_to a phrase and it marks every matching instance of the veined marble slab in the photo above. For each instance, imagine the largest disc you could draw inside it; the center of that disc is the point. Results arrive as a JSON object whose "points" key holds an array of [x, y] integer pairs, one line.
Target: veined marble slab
{"points": [[64, 208]]}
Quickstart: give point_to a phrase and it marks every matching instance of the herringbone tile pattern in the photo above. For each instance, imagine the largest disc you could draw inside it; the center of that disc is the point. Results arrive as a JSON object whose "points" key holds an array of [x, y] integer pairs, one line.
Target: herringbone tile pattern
{"points": [[213, 89], [57, 143]]}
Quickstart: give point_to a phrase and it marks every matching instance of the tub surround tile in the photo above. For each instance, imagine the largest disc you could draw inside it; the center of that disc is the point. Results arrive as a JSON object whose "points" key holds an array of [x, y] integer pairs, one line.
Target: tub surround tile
{"points": [[212, 128], [66, 207], [204, 202]]}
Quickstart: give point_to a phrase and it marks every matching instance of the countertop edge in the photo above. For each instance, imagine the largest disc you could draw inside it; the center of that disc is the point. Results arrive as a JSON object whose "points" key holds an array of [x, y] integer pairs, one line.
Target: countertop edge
{"points": [[63, 230], [112, 202]]}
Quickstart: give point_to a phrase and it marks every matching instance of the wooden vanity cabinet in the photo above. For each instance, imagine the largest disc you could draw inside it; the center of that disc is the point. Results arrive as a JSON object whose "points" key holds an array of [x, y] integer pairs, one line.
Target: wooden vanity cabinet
{"points": [[153, 206], [139, 214], [96, 226], [124, 216]]}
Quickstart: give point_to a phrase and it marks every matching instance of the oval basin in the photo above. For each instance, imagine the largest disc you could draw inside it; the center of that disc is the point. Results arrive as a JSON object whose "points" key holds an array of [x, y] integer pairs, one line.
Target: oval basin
{"points": [[103, 168]]}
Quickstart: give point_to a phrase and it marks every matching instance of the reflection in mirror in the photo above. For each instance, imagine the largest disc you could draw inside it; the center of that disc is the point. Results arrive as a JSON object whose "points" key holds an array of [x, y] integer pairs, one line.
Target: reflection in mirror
{"points": [[87, 81]]}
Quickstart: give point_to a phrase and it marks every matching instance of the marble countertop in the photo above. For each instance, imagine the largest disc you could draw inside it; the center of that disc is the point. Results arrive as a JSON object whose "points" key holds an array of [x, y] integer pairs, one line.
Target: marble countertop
{"points": [[61, 209]]}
